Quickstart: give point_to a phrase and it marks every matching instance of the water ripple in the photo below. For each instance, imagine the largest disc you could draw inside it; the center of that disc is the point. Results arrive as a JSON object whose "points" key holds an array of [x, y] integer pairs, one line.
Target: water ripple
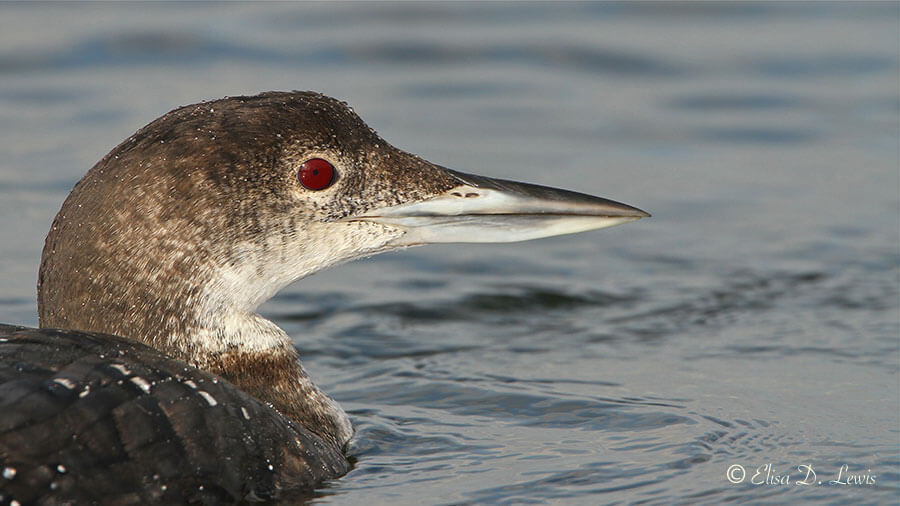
{"points": [[183, 48]]}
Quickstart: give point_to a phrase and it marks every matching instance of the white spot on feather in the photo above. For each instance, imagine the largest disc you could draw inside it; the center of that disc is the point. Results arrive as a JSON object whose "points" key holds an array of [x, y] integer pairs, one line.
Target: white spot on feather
{"points": [[121, 368], [245, 413], [65, 382], [209, 398], [141, 383]]}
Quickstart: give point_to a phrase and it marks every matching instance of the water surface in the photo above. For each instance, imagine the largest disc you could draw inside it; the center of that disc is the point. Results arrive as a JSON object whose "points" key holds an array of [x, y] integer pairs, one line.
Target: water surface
{"points": [[753, 321]]}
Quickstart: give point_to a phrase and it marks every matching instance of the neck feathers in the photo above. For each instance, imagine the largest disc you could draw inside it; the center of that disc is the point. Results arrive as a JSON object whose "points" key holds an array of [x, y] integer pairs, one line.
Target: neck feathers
{"points": [[276, 377], [171, 310]]}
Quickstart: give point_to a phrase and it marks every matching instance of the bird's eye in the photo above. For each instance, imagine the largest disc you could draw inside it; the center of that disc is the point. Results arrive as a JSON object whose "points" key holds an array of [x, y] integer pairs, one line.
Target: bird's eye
{"points": [[316, 174]]}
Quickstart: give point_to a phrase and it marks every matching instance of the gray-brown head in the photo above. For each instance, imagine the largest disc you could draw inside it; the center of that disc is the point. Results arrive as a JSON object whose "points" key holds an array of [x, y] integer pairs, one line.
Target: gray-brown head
{"points": [[201, 214], [180, 232]]}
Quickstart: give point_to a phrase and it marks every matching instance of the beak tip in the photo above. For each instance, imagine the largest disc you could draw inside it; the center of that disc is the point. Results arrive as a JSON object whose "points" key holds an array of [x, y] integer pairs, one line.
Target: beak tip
{"points": [[633, 212]]}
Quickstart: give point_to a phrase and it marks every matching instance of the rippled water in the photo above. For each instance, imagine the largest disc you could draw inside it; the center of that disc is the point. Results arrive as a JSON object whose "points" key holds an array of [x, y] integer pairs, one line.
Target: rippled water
{"points": [[753, 321]]}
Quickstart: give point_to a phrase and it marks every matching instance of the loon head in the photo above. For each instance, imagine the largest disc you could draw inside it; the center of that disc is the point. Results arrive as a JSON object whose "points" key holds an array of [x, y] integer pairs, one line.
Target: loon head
{"points": [[179, 233]]}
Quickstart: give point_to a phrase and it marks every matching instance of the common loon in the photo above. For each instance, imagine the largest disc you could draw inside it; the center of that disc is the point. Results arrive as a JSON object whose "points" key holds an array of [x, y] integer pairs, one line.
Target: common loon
{"points": [[152, 379]]}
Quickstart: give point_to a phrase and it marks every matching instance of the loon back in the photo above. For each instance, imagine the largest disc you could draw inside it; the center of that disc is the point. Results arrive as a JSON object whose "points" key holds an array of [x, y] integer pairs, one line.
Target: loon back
{"points": [[92, 417]]}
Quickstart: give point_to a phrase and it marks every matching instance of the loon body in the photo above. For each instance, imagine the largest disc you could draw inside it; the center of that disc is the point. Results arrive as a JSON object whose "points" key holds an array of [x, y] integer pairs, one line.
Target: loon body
{"points": [[152, 378]]}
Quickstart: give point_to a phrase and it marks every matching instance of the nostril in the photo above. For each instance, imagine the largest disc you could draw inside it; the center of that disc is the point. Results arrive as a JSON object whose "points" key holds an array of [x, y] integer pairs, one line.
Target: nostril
{"points": [[456, 194], [470, 195]]}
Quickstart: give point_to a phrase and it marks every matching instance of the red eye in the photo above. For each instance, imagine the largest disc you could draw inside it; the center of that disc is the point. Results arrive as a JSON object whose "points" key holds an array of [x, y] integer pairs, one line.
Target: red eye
{"points": [[316, 174]]}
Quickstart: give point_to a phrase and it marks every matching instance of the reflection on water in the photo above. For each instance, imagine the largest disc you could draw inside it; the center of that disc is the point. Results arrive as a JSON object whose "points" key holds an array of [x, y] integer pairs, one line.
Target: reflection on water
{"points": [[753, 321]]}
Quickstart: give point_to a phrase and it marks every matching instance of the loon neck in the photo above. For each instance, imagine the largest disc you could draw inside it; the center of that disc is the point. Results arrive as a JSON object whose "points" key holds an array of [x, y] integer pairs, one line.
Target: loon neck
{"points": [[276, 376], [208, 320], [259, 358]]}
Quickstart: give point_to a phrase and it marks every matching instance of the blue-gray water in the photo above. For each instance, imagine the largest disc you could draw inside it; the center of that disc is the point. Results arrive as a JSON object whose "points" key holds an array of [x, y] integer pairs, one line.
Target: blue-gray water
{"points": [[752, 321]]}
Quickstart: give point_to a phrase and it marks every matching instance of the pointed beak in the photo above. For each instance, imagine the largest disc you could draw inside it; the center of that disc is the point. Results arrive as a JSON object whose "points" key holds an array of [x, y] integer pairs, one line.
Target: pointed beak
{"points": [[482, 209]]}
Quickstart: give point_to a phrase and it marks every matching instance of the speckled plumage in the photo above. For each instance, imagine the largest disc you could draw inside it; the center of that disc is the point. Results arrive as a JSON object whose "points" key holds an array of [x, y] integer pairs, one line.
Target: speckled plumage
{"points": [[139, 428]]}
